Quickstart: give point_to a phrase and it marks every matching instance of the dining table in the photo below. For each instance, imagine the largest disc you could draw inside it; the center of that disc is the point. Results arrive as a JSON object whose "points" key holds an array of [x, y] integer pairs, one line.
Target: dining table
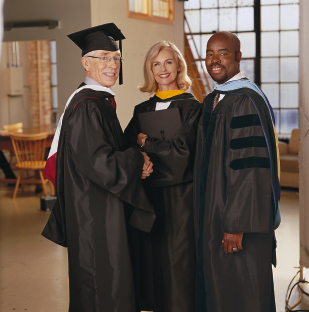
{"points": [[6, 143]]}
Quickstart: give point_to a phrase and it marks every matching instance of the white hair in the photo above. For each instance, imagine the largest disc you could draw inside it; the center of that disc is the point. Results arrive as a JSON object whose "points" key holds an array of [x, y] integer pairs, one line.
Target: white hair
{"points": [[91, 53]]}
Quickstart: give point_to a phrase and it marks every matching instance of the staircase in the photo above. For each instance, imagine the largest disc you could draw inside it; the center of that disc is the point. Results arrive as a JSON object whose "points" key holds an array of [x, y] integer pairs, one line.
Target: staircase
{"points": [[198, 88]]}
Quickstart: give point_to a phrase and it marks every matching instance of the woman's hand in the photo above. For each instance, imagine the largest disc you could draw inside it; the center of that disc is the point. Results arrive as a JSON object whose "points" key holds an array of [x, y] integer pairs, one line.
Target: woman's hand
{"points": [[141, 138], [147, 168]]}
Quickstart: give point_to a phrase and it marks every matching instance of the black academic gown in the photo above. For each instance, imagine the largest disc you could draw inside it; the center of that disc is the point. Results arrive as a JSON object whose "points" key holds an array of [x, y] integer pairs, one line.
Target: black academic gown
{"points": [[96, 180], [233, 194], [166, 257]]}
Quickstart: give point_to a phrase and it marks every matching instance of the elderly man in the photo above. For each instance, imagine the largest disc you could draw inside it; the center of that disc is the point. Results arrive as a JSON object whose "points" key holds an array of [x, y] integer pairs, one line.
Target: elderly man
{"points": [[236, 189], [98, 183]]}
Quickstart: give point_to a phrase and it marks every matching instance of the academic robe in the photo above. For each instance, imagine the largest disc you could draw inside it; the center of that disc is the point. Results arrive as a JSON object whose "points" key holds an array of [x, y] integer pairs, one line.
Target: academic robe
{"points": [[234, 194], [166, 256], [96, 180]]}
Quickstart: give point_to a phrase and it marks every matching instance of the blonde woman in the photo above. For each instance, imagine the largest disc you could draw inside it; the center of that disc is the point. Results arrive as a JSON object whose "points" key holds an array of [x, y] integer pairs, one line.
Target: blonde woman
{"points": [[166, 256]]}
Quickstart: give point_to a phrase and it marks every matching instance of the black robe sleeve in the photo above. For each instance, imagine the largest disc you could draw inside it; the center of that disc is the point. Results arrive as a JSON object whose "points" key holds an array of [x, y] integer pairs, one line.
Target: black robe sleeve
{"points": [[119, 172], [173, 159], [248, 189]]}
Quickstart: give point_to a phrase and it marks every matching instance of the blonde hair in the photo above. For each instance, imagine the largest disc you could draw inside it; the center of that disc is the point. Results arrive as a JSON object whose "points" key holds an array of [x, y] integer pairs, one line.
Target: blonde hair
{"points": [[150, 85]]}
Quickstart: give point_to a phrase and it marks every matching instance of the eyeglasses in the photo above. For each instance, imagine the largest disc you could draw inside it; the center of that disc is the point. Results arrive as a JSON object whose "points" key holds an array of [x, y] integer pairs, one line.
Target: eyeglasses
{"points": [[107, 59]]}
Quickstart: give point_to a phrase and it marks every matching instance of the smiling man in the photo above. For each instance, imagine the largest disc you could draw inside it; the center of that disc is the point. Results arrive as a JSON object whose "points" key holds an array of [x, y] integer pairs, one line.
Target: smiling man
{"points": [[98, 183], [236, 188]]}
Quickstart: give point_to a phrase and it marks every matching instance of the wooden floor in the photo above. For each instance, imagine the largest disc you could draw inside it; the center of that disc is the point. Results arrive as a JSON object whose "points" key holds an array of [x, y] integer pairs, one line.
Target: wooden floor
{"points": [[33, 271]]}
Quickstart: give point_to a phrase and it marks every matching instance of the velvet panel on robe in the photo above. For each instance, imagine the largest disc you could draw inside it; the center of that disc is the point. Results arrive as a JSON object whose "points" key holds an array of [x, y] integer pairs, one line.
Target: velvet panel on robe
{"points": [[166, 256], [99, 191], [233, 194]]}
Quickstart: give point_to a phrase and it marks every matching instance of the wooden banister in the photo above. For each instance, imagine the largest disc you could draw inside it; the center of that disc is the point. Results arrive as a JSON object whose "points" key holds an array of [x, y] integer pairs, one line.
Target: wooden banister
{"points": [[199, 57]]}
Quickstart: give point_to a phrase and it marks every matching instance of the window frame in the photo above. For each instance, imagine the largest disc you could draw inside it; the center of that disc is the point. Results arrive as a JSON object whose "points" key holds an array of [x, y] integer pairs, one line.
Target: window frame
{"points": [[258, 57], [54, 109], [149, 17], [280, 83]]}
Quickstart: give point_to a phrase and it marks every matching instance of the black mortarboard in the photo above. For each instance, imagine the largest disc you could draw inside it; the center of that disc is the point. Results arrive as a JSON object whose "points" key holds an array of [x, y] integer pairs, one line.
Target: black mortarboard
{"points": [[102, 37]]}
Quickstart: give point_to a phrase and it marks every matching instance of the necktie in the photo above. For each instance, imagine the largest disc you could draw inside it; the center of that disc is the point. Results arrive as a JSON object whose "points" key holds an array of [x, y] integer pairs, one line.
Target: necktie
{"points": [[216, 100], [113, 102]]}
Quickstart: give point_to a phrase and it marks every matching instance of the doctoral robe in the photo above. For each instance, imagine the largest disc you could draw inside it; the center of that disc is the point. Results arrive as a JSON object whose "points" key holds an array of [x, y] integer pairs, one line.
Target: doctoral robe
{"points": [[166, 256], [235, 185], [97, 181]]}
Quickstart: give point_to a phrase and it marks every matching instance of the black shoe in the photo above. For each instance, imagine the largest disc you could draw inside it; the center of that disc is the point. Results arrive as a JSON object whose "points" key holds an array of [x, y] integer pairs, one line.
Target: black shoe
{"points": [[11, 178], [38, 189]]}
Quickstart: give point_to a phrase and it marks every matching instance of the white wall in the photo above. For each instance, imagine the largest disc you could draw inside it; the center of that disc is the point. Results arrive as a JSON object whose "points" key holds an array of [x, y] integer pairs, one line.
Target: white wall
{"points": [[140, 36], [304, 134], [75, 15], [14, 109]]}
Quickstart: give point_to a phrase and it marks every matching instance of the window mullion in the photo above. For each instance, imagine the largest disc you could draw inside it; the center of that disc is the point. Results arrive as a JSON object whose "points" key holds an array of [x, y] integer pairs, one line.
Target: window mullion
{"points": [[149, 4]]}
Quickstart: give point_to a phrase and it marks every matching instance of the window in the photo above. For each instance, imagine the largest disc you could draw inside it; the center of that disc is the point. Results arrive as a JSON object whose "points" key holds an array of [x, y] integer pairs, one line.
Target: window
{"points": [[268, 31], [206, 17], [153, 10], [54, 82], [280, 60]]}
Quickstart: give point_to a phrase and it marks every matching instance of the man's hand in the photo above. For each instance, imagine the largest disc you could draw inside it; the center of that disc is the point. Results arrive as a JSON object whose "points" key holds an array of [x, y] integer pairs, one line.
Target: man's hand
{"points": [[141, 139], [232, 242], [147, 168]]}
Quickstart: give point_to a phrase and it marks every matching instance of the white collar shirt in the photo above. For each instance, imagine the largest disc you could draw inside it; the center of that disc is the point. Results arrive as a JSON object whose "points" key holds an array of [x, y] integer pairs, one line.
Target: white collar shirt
{"points": [[236, 77], [89, 81]]}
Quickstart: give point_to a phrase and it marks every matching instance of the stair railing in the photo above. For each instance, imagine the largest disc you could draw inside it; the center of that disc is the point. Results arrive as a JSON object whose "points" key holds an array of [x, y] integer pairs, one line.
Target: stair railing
{"points": [[199, 57]]}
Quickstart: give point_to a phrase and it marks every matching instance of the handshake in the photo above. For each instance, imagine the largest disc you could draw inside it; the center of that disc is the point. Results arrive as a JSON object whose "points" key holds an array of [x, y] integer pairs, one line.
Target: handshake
{"points": [[147, 168]]}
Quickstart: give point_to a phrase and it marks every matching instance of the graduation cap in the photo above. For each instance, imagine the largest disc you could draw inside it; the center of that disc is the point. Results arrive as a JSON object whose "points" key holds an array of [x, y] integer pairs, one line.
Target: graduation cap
{"points": [[102, 37]]}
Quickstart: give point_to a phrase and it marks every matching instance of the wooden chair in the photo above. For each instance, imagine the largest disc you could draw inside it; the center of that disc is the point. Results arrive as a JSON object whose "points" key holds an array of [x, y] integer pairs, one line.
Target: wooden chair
{"points": [[12, 128], [30, 152]]}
